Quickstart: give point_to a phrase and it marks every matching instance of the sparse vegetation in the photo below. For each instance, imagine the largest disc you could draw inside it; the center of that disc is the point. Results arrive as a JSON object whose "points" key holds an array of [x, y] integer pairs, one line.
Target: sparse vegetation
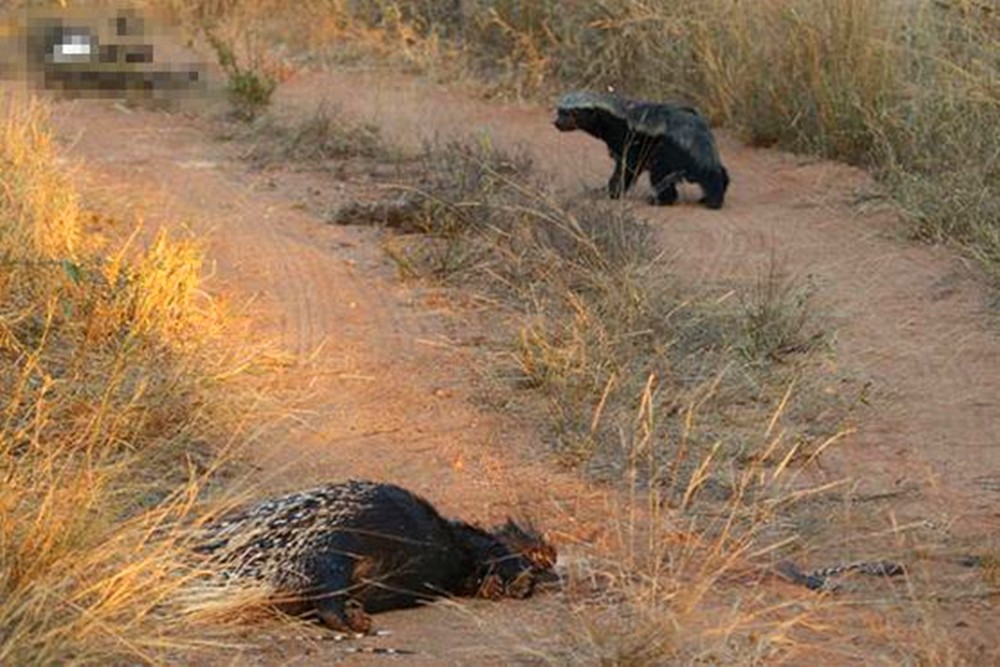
{"points": [[705, 406], [776, 319], [106, 420], [238, 35], [600, 320], [250, 88], [324, 136]]}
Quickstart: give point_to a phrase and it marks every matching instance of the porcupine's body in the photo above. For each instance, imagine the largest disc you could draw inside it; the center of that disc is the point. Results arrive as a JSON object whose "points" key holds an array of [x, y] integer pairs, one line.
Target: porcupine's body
{"points": [[351, 549], [673, 142]]}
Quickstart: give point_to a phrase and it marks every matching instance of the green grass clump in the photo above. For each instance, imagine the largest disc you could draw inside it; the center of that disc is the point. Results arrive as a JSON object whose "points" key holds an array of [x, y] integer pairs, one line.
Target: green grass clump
{"points": [[249, 87]]}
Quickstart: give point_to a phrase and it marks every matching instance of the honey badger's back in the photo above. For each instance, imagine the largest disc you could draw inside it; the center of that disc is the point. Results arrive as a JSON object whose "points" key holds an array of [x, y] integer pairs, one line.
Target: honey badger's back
{"points": [[680, 124], [345, 550]]}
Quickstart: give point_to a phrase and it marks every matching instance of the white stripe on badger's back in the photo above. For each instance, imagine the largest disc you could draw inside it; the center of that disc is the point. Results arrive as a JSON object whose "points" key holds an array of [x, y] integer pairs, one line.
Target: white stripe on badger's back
{"points": [[585, 99]]}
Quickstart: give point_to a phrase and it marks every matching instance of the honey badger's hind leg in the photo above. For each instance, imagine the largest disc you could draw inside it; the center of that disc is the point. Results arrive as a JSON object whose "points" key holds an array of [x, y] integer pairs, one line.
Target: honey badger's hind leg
{"points": [[664, 194], [714, 184]]}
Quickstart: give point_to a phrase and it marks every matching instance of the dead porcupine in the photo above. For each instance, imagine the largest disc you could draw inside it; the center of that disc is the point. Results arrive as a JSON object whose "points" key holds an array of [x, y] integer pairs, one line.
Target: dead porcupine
{"points": [[344, 551], [673, 142]]}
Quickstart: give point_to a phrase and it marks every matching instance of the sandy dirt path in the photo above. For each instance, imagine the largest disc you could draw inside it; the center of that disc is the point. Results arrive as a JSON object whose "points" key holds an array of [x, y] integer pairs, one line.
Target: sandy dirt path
{"points": [[382, 386], [385, 379]]}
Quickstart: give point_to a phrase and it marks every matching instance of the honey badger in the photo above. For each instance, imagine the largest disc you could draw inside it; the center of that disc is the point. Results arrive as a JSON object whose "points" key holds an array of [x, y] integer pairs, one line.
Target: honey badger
{"points": [[673, 142], [344, 551]]}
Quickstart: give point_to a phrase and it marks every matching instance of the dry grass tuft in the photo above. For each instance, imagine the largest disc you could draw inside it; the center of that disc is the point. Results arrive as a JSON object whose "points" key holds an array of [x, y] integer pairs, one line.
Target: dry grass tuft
{"points": [[109, 411], [324, 136]]}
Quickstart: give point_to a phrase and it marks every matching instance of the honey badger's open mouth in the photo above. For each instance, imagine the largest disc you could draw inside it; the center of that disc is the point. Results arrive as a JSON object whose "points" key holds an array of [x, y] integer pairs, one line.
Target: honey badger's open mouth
{"points": [[565, 122]]}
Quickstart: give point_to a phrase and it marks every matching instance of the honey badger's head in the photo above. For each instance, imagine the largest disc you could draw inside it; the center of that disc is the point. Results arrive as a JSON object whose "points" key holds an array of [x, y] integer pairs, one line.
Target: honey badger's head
{"points": [[568, 120], [580, 110]]}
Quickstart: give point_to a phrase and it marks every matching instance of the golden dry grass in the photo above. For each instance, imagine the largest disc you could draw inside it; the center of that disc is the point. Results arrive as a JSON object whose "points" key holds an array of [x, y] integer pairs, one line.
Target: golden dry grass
{"points": [[597, 317], [110, 429]]}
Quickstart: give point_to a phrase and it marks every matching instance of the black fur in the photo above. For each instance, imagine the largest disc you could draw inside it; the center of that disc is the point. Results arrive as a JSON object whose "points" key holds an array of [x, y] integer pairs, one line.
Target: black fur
{"points": [[348, 550], [673, 142]]}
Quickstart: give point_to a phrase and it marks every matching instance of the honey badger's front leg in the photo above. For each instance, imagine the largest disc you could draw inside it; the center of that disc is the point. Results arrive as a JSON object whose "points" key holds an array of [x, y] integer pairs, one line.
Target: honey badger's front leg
{"points": [[615, 185], [627, 168]]}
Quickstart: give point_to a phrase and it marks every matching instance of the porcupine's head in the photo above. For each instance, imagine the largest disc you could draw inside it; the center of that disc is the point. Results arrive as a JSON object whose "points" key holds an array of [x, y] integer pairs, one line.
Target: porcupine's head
{"points": [[529, 542], [507, 562]]}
